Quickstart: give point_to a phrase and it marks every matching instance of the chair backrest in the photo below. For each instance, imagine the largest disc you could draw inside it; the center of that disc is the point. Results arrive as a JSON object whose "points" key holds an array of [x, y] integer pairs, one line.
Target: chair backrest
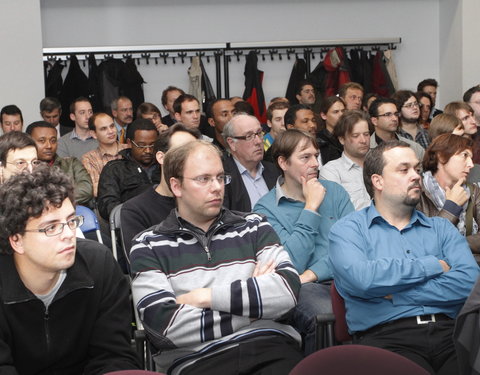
{"points": [[115, 230], [133, 372], [90, 221], [356, 359], [338, 306]]}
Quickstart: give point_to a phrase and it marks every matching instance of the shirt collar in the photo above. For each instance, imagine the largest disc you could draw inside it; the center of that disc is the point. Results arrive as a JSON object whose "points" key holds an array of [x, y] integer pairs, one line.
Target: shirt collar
{"points": [[374, 216], [74, 135], [349, 163], [242, 169], [279, 193]]}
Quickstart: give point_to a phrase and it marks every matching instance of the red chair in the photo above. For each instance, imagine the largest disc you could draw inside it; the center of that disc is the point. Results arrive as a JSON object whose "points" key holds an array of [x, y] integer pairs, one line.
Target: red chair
{"points": [[133, 372], [358, 360], [340, 326]]}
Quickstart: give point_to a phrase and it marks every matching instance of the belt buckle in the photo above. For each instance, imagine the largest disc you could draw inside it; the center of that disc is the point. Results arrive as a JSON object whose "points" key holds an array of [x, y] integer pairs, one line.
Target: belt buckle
{"points": [[420, 321]]}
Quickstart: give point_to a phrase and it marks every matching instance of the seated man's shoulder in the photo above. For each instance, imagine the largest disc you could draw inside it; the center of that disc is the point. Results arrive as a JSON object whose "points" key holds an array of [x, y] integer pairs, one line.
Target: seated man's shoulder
{"points": [[94, 253]]}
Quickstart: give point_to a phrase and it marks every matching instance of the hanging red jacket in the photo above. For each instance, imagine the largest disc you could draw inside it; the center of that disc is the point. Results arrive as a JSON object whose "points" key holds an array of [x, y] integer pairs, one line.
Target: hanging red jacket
{"points": [[337, 69], [253, 87], [381, 82]]}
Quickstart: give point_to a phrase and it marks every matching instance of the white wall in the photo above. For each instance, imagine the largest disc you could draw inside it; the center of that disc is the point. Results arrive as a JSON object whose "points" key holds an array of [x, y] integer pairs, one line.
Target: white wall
{"points": [[122, 22], [21, 71]]}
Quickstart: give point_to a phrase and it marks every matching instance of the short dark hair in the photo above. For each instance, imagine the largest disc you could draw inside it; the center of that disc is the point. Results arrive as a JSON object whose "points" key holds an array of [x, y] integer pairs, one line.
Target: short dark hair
{"points": [[177, 104], [139, 124], [163, 141], [286, 143], [14, 141], [39, 124], [347, 122], [301, 85], [78, 100], [442, 149], [401, 97], [468, 94], [10, 109], [169, 89], [27, 195], [291, 114], [209, 111], [276, 106], [373, 110], [93, 118], [342, 91], [49, 104], [175, 159], [245, 107], [427, 82], [145, 108], [375, 162], [421, 94]]}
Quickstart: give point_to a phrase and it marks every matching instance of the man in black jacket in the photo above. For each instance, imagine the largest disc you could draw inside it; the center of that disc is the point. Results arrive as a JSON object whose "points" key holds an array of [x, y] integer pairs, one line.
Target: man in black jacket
{"points": [[252, 178], [64, 305], [125, 178]]}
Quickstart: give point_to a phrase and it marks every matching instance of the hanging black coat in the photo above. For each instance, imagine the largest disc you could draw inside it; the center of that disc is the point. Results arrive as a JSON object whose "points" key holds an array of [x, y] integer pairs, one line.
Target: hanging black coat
{"points": [[131, 84], [53, 79], [253, 87], [298, 74], [109, 74], [93, 84], [74, 86]]}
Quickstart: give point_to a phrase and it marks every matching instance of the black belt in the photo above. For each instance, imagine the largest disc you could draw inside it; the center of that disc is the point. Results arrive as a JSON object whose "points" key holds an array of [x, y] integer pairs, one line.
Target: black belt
{"points": [[410, 321]]}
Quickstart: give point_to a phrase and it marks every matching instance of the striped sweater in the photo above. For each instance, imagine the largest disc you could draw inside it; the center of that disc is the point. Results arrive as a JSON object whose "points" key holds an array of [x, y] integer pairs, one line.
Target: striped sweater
{"points": [[174, 258]]}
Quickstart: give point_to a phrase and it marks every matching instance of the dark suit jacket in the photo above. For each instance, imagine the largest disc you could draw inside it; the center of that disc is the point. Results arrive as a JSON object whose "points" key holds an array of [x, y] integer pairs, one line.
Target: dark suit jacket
{"points": [[236, 195]]}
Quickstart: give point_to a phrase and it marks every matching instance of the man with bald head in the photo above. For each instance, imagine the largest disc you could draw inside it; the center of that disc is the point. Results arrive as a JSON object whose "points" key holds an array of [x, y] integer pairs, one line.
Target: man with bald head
{"points": [[252, 178]]}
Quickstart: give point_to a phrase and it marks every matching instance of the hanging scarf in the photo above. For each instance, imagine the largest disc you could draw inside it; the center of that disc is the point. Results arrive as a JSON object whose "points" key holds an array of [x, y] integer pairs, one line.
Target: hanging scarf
{"points": [[437, 196]]}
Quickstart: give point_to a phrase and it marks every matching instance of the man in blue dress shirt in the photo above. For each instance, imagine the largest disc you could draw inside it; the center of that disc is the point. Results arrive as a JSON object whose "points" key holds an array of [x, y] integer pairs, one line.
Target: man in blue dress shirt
{"points": [[404, 276]]}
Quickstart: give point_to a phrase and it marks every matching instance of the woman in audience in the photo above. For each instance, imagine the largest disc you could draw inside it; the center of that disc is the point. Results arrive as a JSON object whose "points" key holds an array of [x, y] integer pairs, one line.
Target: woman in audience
{"points": [[445, 123], [331, 110], [445, 192]]}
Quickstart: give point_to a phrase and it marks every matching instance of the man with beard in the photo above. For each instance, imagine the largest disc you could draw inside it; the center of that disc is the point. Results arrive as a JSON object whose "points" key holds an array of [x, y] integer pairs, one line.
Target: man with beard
{"points": [[302, 209], [384, 115], [353, 132], [410, 127], [125, 178], [403, 276], [252, 178]]}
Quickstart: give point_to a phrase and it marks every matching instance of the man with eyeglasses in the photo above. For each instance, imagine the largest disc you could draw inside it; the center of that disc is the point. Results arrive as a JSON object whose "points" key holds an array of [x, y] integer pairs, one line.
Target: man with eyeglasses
{"points": [[385, 119], [212, 285], [122, 112], [18, 152], [135, 172], [65, 302], [252, 178], [410, 126]]}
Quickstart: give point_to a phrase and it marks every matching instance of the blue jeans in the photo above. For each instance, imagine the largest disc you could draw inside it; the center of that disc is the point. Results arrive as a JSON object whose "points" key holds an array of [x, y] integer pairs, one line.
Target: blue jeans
{"points": [[314, 299]]}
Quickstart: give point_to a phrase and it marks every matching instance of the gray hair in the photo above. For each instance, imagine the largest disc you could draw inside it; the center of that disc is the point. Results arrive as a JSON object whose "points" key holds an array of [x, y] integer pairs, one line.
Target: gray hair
{"points": [[228, 129]]}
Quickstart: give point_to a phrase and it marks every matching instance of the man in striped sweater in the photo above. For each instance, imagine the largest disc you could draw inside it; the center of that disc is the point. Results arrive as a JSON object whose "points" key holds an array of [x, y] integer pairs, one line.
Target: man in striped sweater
{"points": [[211, 286]]}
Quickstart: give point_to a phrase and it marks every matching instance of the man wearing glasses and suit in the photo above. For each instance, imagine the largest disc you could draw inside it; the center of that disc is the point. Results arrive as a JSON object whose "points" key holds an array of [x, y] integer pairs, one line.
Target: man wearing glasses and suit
{"points": [[252, 178], [64, 305]]}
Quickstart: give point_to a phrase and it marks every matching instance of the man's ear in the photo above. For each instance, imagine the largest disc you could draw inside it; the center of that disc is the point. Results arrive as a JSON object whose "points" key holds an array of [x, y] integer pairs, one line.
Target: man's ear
{"points": [[211, 122], [160, 155], [16, 242], [231, 143], [93, 134], [269, 124], [323, 115], [176, 187], [374, 121], [177, 116], [298, 97], [72, 117], [341, 140], [377, 181]]}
